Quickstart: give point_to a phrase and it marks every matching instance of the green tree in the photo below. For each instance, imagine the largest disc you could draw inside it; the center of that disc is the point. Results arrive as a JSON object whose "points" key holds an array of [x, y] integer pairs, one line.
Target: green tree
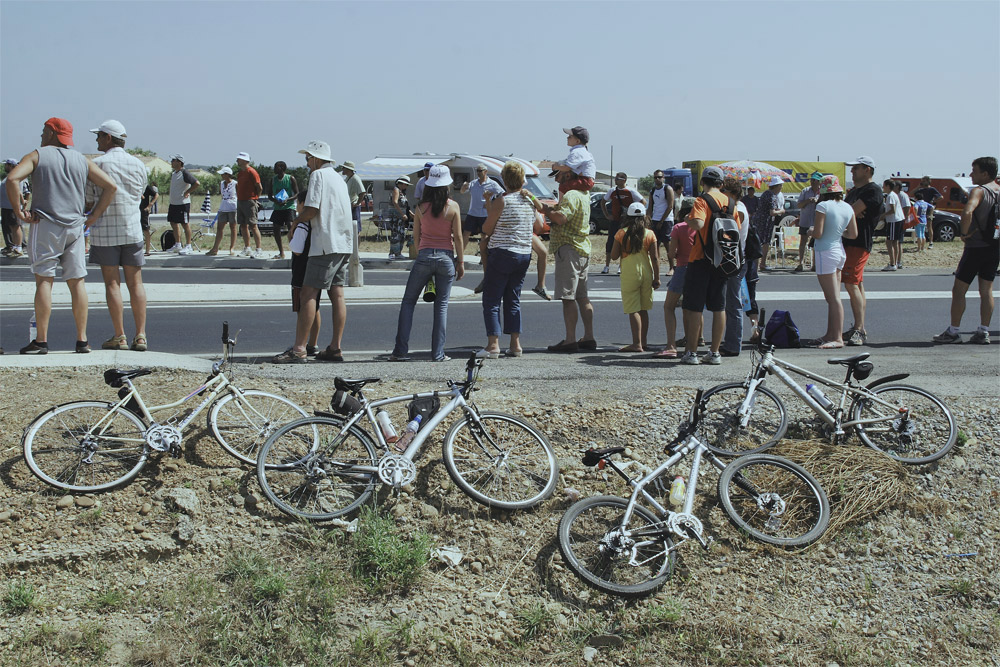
{"points": [[140, 151], [646, 183]]}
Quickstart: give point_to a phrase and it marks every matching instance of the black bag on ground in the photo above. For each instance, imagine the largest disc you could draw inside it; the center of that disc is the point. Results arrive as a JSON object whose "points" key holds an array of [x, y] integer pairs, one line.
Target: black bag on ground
{"points": [[781, 330]]}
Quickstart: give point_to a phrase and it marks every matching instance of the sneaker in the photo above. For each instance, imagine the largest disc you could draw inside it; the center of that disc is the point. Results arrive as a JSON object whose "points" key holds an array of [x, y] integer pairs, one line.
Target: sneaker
{"points": [[258, 254], [444, 358], [392, 255], [399, 357], [5, 251], [619, 270], [246, 252], [82, 347], [14, 253], [857, 338], [185, 250], [189, 250], [115, 343], [34, 347], [980, 337], [177, 248], [930, 245], [899, 267], [605, 271], [889, 267], [691, 359], [947, 337], [711, 358]]}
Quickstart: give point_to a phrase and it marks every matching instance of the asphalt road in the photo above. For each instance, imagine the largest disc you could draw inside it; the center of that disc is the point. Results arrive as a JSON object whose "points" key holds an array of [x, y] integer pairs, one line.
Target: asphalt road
{"points": [[905, 309]]}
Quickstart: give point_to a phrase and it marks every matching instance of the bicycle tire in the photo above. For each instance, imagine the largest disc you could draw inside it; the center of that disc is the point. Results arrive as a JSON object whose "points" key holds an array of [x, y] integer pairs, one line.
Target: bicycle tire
{"points": [[515, 468], [57, 449], [721, 424], [591, 543], [753, 486], [929, 421], [305, 468], [242, 422]]}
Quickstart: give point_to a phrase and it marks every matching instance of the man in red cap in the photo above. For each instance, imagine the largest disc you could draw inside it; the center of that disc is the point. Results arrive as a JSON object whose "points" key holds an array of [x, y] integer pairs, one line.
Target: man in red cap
{"points": [[59, 177]]}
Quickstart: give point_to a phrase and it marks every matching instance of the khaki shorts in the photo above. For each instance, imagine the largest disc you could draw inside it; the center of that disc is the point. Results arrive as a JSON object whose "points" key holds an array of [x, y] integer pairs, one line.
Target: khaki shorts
{"points": [[227, 217], [54, 245], [129, 254], [326, 271], [246, 212], [571, 274]]}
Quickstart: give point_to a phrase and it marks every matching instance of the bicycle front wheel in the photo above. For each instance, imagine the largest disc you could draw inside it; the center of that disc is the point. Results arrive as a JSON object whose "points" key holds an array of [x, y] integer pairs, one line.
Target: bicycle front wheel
{"points": [[628, 561], [774, 500], [724, 433], [501, 461], [243, 421], [86, 446], [314, 469], [915, 427]]}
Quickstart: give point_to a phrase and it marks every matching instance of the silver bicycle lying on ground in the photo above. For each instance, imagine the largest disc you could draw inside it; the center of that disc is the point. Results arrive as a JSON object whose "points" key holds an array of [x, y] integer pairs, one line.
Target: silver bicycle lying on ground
{"points": [[907, 423], [326, 466], [90, 446], [622, 548]]}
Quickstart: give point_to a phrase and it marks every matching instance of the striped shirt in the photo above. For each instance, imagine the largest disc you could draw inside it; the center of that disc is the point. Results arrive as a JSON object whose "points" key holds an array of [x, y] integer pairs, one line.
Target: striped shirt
{"points": [[120, 223], [513, 230]]}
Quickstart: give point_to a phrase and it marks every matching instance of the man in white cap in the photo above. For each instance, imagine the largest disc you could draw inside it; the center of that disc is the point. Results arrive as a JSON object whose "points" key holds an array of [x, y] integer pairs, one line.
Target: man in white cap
{"points": [[116, 238], [59, 175], [418, 190], [328, 211], [248, 189], [182, 184], [866, 199], [355, 188]]}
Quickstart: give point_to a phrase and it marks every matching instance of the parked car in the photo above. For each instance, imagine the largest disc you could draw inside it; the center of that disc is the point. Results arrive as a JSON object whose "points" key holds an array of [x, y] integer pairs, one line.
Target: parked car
{"points": [[264, 208], [598, 221]]}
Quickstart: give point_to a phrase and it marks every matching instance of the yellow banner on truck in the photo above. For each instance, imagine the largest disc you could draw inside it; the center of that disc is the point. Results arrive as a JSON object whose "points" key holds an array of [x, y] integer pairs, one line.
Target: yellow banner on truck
{"points": [[798, 172]]}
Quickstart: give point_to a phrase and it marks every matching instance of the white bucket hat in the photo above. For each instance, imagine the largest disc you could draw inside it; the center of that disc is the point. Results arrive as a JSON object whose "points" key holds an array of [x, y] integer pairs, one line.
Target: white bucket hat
{"points": [[112, 128], [243, 156], [319, 150], [776, 180], [438, 176]]}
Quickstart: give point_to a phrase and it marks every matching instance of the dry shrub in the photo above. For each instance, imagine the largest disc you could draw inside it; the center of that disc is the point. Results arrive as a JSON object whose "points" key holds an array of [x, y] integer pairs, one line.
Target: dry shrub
{"points": [[860, 482]]}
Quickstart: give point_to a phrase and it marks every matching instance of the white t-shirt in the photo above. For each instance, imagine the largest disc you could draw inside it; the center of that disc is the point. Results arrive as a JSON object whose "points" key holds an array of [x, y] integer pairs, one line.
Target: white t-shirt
{"points": [[893, 207], [904, 200]]}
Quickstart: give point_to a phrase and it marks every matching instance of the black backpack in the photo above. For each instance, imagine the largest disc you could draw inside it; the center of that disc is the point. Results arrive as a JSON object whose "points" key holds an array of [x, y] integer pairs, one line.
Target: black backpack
{"points": [[722, 247]]}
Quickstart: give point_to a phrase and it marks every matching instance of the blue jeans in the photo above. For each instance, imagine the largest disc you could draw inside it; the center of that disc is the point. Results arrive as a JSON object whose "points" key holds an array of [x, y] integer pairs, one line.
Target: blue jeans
{"points": [[733, 339], [504, 276], [430, 263]]}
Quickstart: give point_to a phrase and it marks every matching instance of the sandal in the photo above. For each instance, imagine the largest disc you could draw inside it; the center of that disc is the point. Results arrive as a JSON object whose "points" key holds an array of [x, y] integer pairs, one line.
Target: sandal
{"points": [[288, 357], [115, 343], [666, 353], [487, 354], [329, 355], [831, 345], [211, 253], [630, 348], [540, 291], [139, 343]]}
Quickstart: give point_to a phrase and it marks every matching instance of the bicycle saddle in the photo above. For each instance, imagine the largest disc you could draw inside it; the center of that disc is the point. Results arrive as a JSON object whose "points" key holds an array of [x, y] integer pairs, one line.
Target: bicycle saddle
{"points": [[115, 376], [353, 385], [848, 361], [592, 457]]}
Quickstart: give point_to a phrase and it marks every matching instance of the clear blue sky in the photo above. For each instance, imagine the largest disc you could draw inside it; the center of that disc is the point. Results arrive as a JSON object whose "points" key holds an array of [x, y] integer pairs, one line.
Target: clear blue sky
{"points": [[913, 84]]}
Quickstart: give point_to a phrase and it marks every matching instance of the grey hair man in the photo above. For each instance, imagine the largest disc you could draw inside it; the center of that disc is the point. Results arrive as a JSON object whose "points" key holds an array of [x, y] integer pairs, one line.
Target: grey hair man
{"points": [[328, 211], [116, 239], [59, 175]]}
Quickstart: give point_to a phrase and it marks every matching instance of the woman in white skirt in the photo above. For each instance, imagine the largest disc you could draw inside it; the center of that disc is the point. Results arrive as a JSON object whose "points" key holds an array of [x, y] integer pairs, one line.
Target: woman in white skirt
{"points": [[834, 220]]}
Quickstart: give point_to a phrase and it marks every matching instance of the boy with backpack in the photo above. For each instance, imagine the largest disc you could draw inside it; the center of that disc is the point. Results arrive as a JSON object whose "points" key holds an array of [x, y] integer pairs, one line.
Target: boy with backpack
{"points": [[981, 235], [715, 256]]}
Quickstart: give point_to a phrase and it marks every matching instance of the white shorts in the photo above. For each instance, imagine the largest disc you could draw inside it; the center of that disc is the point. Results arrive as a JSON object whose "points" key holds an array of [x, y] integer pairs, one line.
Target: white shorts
{"points": [[830, 261]]}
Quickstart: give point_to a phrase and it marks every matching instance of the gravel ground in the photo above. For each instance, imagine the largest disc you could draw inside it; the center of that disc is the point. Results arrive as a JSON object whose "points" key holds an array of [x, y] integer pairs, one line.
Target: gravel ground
{"points": [[151, 573]]}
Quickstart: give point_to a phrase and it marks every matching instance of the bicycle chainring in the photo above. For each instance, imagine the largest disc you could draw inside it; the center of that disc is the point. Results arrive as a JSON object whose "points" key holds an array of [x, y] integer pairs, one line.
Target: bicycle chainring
{"points": [[163, 438], [396, 470], [684, 525]]}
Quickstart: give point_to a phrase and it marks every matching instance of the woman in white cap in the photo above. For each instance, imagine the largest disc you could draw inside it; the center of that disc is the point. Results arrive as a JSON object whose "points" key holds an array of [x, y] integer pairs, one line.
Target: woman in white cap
{"points": [[636, 247], [437, 235], [227, 211], [834, 220]]}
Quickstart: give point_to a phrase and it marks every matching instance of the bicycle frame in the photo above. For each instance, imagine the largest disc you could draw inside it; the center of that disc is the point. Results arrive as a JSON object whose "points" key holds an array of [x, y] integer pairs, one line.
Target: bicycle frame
{"points": [[769, 364], [217, 384]]}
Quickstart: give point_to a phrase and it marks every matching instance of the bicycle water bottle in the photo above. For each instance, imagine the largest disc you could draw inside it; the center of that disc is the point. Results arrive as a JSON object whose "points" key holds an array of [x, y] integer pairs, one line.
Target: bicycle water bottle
{"points": [[384, 423], [677, 491], [411, 430], [819, 396], [32, 327]]}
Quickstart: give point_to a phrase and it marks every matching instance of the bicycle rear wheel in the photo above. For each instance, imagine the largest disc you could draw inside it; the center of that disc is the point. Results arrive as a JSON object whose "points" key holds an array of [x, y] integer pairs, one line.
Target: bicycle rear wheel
{"points": [[774, 500], [243, 421], [630, 561], [721, 426], [915, 427], [313, 469], [502, 461], [86, 446]]}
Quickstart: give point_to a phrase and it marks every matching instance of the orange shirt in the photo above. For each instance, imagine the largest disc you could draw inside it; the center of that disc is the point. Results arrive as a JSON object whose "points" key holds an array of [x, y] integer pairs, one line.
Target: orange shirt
{"points": [[247, 181], [700, 211]]}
